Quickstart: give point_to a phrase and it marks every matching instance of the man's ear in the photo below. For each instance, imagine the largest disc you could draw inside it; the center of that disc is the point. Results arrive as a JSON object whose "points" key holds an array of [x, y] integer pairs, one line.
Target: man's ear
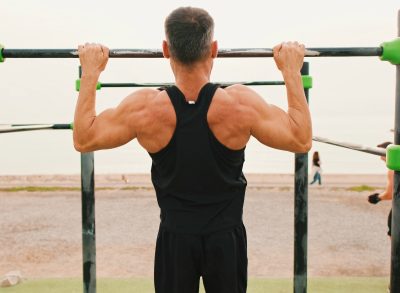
{"points": [[165, 49], [214, 49]]}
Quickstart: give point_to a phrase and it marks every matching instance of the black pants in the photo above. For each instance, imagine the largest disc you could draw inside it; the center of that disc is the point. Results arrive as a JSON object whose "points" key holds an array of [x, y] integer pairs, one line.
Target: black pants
{"points": [[219, 258], [389, 223]]}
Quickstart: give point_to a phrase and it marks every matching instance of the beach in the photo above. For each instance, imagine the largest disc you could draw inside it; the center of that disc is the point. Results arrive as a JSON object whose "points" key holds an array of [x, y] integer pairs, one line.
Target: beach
{"points": [[40, 226]]}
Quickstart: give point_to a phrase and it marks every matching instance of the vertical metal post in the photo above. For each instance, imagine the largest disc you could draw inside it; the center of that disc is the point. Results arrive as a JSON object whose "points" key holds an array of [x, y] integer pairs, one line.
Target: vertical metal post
{"points": [[88, 221], [301, 214], [395, 262]]}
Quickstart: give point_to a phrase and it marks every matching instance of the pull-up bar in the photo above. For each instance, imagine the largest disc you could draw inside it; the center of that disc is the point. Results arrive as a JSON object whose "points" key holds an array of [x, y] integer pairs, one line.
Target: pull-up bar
{"points": [[7, 128], [353, 146], [388, 51], [306, 79], [156, 53], [392, 152]]}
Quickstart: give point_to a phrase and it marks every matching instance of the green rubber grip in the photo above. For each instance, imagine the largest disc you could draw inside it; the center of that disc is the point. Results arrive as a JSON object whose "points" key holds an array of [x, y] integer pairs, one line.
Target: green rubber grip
{"points": [[391, 51], [307, 81], [78, 85], [1, 53], [71, 125], [393, 157]]}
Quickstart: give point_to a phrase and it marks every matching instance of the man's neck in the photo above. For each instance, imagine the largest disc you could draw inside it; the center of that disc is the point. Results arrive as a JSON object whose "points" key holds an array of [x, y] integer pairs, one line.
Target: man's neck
{"points": [[190, 79]]}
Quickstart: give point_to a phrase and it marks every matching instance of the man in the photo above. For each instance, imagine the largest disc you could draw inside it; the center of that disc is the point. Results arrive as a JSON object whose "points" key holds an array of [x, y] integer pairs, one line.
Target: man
{"points": [[196, 134], [387, 194]]}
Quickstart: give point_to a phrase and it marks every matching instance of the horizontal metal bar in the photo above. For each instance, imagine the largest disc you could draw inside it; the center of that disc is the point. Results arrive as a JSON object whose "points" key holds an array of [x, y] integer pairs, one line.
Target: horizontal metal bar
{"points": [[356, 147], [7, 128], [223, 53], [133, 84], [160, 84]]}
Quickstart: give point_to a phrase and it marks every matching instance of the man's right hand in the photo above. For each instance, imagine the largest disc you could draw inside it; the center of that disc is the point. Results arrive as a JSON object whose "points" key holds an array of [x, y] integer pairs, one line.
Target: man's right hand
{"points": [[374, 198], [289, 56]]}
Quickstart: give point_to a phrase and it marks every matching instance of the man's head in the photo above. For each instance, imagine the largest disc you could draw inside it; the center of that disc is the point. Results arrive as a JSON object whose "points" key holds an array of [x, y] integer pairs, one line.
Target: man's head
{"points": [[189, 33]]}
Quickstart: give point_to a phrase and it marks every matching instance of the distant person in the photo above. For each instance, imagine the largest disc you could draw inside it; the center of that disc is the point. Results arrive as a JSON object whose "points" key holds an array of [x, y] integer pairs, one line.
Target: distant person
{"points": [[387, 194], [316, 168], [196, 134]]}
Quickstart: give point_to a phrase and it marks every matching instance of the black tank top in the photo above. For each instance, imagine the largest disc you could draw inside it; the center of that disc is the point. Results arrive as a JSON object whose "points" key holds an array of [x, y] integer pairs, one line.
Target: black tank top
{"points": [[199, 182]]}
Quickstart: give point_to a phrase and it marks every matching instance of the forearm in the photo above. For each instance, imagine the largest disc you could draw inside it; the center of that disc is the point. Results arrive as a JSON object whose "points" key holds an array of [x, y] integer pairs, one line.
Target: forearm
{"points": [[386, 195], [85, 111], [298, 111]]}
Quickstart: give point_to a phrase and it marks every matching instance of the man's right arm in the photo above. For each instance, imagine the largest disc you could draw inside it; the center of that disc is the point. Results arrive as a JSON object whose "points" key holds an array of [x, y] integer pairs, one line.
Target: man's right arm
{"points": [[388, 193], [115, 126], [291, 130]]}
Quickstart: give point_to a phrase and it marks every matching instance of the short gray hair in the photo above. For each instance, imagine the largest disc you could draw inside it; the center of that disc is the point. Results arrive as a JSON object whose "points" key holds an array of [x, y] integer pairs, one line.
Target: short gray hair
{"points": [[189, 32]]}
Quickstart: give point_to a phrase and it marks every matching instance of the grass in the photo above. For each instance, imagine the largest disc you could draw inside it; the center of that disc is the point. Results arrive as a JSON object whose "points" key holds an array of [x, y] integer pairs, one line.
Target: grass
{"points": [[285, 188], [137, 188], [359, 188], [362, 188], [60, 188], [39, 189], [256, 285]]}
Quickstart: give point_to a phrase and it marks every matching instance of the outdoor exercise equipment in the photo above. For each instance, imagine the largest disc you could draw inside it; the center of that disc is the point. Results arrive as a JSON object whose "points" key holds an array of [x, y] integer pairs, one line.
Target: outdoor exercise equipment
{"points": [[306, 79], [6, 128], [357, 147], [387, 51]]}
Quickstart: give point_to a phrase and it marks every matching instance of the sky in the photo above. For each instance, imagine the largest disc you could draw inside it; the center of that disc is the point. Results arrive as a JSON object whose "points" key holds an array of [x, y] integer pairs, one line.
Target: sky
{"points": [[352, 99]]}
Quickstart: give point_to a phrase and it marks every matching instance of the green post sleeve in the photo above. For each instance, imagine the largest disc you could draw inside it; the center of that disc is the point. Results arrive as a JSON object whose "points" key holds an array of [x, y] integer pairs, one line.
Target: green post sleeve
{"points": [[307, 81], [391, 51], [393, 157], [1, 53], [78, 85]]}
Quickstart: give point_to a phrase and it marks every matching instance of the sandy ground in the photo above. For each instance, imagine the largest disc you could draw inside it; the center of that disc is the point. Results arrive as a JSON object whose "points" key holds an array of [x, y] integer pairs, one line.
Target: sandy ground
{"points": [[40, 232]]}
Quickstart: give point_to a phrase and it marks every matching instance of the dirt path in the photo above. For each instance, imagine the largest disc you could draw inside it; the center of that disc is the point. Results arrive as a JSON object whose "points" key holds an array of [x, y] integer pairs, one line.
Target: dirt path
{"points": [[41, 231]]}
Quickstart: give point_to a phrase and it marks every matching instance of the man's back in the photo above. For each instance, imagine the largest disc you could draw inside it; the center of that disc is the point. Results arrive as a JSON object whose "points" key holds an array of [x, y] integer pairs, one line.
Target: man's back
{"points": [[199, 182], [228, 117]]}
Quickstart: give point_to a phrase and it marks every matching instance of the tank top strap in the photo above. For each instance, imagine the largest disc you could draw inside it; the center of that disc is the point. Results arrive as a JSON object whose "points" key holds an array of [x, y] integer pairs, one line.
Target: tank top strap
{"points": [[206, 95], [176, 97], [204, 99]]}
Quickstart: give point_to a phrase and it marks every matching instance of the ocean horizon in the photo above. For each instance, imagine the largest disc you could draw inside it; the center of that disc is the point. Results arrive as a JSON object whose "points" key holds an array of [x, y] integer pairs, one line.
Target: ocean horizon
{"points": [[51, 152]]}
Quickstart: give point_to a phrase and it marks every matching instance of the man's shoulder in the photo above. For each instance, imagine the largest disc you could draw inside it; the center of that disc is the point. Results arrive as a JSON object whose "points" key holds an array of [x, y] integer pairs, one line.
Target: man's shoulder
{"points": [[150, 107], [146, 96], [234, 101], [239, 93], [236, 89], [146, 93]]}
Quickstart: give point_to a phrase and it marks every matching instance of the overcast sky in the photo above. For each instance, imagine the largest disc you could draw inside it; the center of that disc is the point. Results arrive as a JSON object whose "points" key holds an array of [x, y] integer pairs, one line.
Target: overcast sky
{"points": [[352, 99]]}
